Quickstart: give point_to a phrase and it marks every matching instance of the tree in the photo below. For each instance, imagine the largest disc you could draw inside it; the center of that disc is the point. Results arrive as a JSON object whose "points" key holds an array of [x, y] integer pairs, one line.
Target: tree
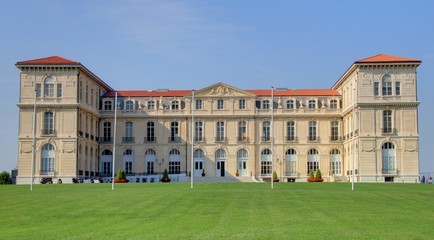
{"points": [[5, 178]]}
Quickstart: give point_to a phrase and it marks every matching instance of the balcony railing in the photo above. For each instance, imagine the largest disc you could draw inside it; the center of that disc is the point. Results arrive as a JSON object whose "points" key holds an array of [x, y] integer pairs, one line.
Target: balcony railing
{"points": [[391, 131], [48, 132], [265, 138], [221, 139], [242, 139], [336, 138], [150, 139], [313, 138], [199, 139], [174, 139], [128, 139], [291, 139], [106, 140]]}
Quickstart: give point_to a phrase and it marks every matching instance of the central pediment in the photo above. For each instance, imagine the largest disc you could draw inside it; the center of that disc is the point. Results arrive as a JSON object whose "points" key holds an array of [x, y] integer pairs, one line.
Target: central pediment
{"points": [[222, 90]]}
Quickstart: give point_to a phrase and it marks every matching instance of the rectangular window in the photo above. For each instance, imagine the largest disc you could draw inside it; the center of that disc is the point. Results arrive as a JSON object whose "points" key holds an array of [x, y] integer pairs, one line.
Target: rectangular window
{"points": [[128, 167], [242, 104], [106, 168], [151, 104], [59, 90], [174, 167], [265, 104], [220, 136], [387, 88], [266, 131], [397, 88], [242, 131], [220, 104], [174, 131], [387, 121], [48, 123], [312, 104], [49, 90], [312, 166], [334, 135], [265, 168], [198, 104], [290, 104], [376, 89], [38, 90], [312, 131], [150, 132], [150, 167], [198, 133], [290, 131]]}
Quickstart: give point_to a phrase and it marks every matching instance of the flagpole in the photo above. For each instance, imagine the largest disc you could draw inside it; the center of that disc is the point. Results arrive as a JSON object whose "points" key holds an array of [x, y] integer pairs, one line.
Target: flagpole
{"points": [[353, 138], [192, 139], [114, 142], [272, 137], [34, 140]]}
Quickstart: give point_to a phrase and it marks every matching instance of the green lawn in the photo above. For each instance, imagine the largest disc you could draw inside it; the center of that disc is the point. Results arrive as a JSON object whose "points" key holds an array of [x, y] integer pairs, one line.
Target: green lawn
{"points": [[217, 211]]}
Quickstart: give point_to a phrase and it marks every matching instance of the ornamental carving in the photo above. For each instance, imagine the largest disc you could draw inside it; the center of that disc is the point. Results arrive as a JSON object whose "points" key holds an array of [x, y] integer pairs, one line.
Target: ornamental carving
{"points": [[221, 91]]}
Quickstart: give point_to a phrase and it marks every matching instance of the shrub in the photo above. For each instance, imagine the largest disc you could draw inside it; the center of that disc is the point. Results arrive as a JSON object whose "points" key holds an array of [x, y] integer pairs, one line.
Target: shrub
{"points": [[165, 177], [5, 178], [311, 175], [318, 174], [119, 174]]}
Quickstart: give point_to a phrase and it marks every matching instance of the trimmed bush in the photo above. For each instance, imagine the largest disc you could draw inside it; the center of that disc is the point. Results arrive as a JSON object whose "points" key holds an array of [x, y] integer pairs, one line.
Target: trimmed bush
{"points": [[5, 178]]}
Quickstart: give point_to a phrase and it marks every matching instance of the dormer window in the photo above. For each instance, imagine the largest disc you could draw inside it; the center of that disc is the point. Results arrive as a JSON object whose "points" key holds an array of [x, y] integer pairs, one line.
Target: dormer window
{"points": [[175, 105], [107, 105], [312, 104]]}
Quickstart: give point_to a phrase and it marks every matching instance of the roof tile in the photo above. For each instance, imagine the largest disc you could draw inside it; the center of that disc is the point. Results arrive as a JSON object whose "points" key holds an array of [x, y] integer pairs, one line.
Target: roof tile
{"points": [[53, 60], [383, 58]]}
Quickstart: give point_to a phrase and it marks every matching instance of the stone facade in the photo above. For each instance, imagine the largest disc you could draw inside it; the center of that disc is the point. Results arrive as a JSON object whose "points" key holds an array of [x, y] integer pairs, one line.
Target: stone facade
{"points": [[368, 117]]}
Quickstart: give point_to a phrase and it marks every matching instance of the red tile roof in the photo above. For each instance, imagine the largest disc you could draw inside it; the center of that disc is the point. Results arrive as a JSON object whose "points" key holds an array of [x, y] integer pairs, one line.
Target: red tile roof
{"points": [[53, 60], [259, 93], [297, 92], [383, 58]]}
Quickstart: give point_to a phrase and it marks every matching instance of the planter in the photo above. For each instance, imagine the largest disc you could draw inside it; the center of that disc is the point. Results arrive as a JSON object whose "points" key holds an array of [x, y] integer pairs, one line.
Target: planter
{"points": [[315, 179], [165, 180], [124, 180], [276, 180]]}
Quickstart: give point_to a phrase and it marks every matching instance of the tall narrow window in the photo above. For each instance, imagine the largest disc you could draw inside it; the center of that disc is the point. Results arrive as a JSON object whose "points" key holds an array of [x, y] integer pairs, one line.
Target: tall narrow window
{"points": [[376, 88], [220, 104], [312, 160], [128, 132], [386, 85], [150, 132], [59, 90], [198, 103], [290, 131], [242, 104], [312, 131], [47, 158], [334, 131], [174, 162], [198, 131], [397, 88], [38, 90], [220, 131], [265, 131], [174, 132], [388, 155], [387, 121], [242, 131], [128, 161], [335, 162], [49, 87], [291, 162], [150, 159], [107, 132], [48, 123], [266, 163], [87, 94]]}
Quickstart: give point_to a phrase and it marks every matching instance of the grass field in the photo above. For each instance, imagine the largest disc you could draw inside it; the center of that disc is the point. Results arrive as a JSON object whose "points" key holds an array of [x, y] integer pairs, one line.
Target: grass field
{"points": [[217, 211]]}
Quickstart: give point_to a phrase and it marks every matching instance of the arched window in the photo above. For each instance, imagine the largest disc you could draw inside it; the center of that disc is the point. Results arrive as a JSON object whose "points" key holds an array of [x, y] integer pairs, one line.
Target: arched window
{"points": [[388, 153], [242, 161], [335, 162], [312, 160], [49, 87], [266, 163], [128, 152], [47, 158], [106, 152], [220, 154], [242, 154], [106, 162], [198, 153], [291, 162], [150, 159], [128, 161], [386, 82]]}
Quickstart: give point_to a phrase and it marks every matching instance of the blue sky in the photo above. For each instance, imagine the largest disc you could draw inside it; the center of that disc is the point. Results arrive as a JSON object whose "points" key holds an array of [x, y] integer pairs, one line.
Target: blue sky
{"points": [[249, 44]]}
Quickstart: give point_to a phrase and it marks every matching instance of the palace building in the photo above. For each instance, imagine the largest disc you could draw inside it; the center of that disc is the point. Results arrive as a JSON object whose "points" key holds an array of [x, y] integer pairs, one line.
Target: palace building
{"points": [[367, 122]]}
